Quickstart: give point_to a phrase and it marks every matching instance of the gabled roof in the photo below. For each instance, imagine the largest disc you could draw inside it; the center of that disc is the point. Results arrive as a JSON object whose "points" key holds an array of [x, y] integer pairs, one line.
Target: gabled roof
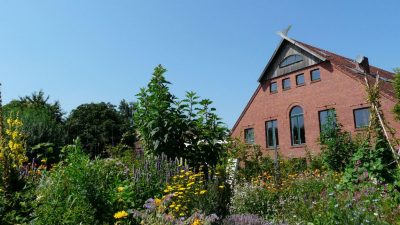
{"points": [[346, 65], [349, 67]]}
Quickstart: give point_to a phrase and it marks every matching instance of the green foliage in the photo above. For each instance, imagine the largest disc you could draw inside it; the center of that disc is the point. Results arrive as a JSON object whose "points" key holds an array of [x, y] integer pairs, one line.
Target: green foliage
{"points": [[206, 134], [97, 125], [189, 128], [157, 119], [126, 111], [336, 146], [79, 191], [315, 199], [254, 200], [371, 163], [18, 207], [217, 198], [42, 123], [147, 178], [396, 86], [251, 160]]}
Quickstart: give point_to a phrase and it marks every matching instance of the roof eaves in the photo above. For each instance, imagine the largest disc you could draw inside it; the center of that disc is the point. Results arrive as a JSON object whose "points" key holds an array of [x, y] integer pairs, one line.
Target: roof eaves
{"points": [[246, 108], [270, 60]]}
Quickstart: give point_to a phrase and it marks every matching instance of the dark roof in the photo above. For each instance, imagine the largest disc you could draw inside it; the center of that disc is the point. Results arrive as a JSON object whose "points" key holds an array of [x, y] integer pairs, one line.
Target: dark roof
{"points": [[346, 65], [349, 66]]}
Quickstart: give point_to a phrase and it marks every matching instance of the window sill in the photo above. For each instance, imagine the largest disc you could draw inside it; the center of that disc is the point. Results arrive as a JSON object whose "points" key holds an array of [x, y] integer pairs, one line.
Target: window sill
{"points": [[360, 129], [286, 89], [300, 85], [273, 92], [249, 144], [298, 146], [315, 81], [272, 148]]}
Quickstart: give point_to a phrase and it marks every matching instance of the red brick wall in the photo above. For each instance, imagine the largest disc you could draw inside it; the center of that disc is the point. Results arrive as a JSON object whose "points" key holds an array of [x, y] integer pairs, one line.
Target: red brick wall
{"points": [[334, 90]]}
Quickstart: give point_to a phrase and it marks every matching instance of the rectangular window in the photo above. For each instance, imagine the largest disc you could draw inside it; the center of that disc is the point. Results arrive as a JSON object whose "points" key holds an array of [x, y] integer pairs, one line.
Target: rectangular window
{"points": [[249, 136], [361, 117], [300, 79], [315, 75], [271, 128], [327, 119], [298, 132], [273, 87], [286, 83]]}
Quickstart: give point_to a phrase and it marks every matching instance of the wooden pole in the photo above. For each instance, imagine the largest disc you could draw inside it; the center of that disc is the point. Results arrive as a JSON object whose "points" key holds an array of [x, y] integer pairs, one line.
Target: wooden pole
{"points": [[277, 172], [382, 124]]}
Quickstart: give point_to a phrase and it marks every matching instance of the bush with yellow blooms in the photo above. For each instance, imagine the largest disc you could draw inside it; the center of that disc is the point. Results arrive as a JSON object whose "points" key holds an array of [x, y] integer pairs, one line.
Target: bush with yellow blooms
{"points": [[12, 152]]}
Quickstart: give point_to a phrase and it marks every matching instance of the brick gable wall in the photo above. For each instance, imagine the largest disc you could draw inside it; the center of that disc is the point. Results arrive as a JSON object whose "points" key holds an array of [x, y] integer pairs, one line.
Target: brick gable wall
{"points": [[335, 90]]}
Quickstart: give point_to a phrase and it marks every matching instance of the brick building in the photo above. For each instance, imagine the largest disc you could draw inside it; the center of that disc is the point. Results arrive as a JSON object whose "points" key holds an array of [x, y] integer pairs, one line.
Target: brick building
{"points": [[299, 88]]}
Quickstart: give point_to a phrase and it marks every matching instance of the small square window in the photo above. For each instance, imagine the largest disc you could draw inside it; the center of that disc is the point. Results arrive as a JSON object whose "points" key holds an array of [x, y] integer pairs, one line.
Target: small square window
{"points": [[300, 79], [249, 136], [286, 83], [361, 117], [273, 87], [315, 75]]}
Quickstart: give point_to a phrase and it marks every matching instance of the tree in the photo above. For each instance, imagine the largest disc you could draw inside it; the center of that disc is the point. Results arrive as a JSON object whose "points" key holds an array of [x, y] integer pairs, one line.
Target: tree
{"points": [[206, 134], [189, 128], [43, 124], [126, 110], [159, 123], [97, 125]]}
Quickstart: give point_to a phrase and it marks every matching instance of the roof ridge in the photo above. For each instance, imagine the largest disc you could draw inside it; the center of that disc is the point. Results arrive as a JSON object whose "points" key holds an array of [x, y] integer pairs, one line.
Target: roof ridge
{"points": [[330, 55]]}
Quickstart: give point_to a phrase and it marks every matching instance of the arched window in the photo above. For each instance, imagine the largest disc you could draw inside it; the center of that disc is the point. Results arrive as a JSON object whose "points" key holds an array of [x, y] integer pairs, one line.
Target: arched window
{"points": [[291, 59], [297, 126]]}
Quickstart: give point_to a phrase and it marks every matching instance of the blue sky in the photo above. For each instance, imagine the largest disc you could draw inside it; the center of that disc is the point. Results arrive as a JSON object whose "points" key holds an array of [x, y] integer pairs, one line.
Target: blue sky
{"points": [[91, 51]]}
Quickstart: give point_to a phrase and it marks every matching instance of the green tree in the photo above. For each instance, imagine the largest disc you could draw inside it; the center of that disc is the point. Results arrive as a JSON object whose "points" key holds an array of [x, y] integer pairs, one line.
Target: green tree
{"points": [[97, 125], [206, 134], [159, 123], [189, 128], [126, 110], [43, 124]]}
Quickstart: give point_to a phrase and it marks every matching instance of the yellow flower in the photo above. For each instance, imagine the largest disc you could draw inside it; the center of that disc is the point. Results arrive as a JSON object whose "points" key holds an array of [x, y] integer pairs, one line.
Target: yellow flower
{"points": [[43, 161], [120, 214], [203, 192], [157, 202], [221, 186], [196, 222], [120, 189]]}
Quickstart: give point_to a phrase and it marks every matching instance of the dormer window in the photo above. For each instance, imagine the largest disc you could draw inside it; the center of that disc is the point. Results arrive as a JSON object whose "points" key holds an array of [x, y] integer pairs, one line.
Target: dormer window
{"points": [[291, 59]]}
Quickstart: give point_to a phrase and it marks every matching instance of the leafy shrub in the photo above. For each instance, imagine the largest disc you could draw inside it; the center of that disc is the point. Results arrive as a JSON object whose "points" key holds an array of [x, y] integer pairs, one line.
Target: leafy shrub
{"points": [[147, 178], [254, 199], [337, 146], [316, 198], [79, 191], [371, 164]]}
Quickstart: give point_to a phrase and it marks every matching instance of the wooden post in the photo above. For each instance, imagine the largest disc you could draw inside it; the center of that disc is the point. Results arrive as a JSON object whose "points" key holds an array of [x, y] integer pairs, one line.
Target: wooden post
{"points": [[381, 123], [277, 171]]}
